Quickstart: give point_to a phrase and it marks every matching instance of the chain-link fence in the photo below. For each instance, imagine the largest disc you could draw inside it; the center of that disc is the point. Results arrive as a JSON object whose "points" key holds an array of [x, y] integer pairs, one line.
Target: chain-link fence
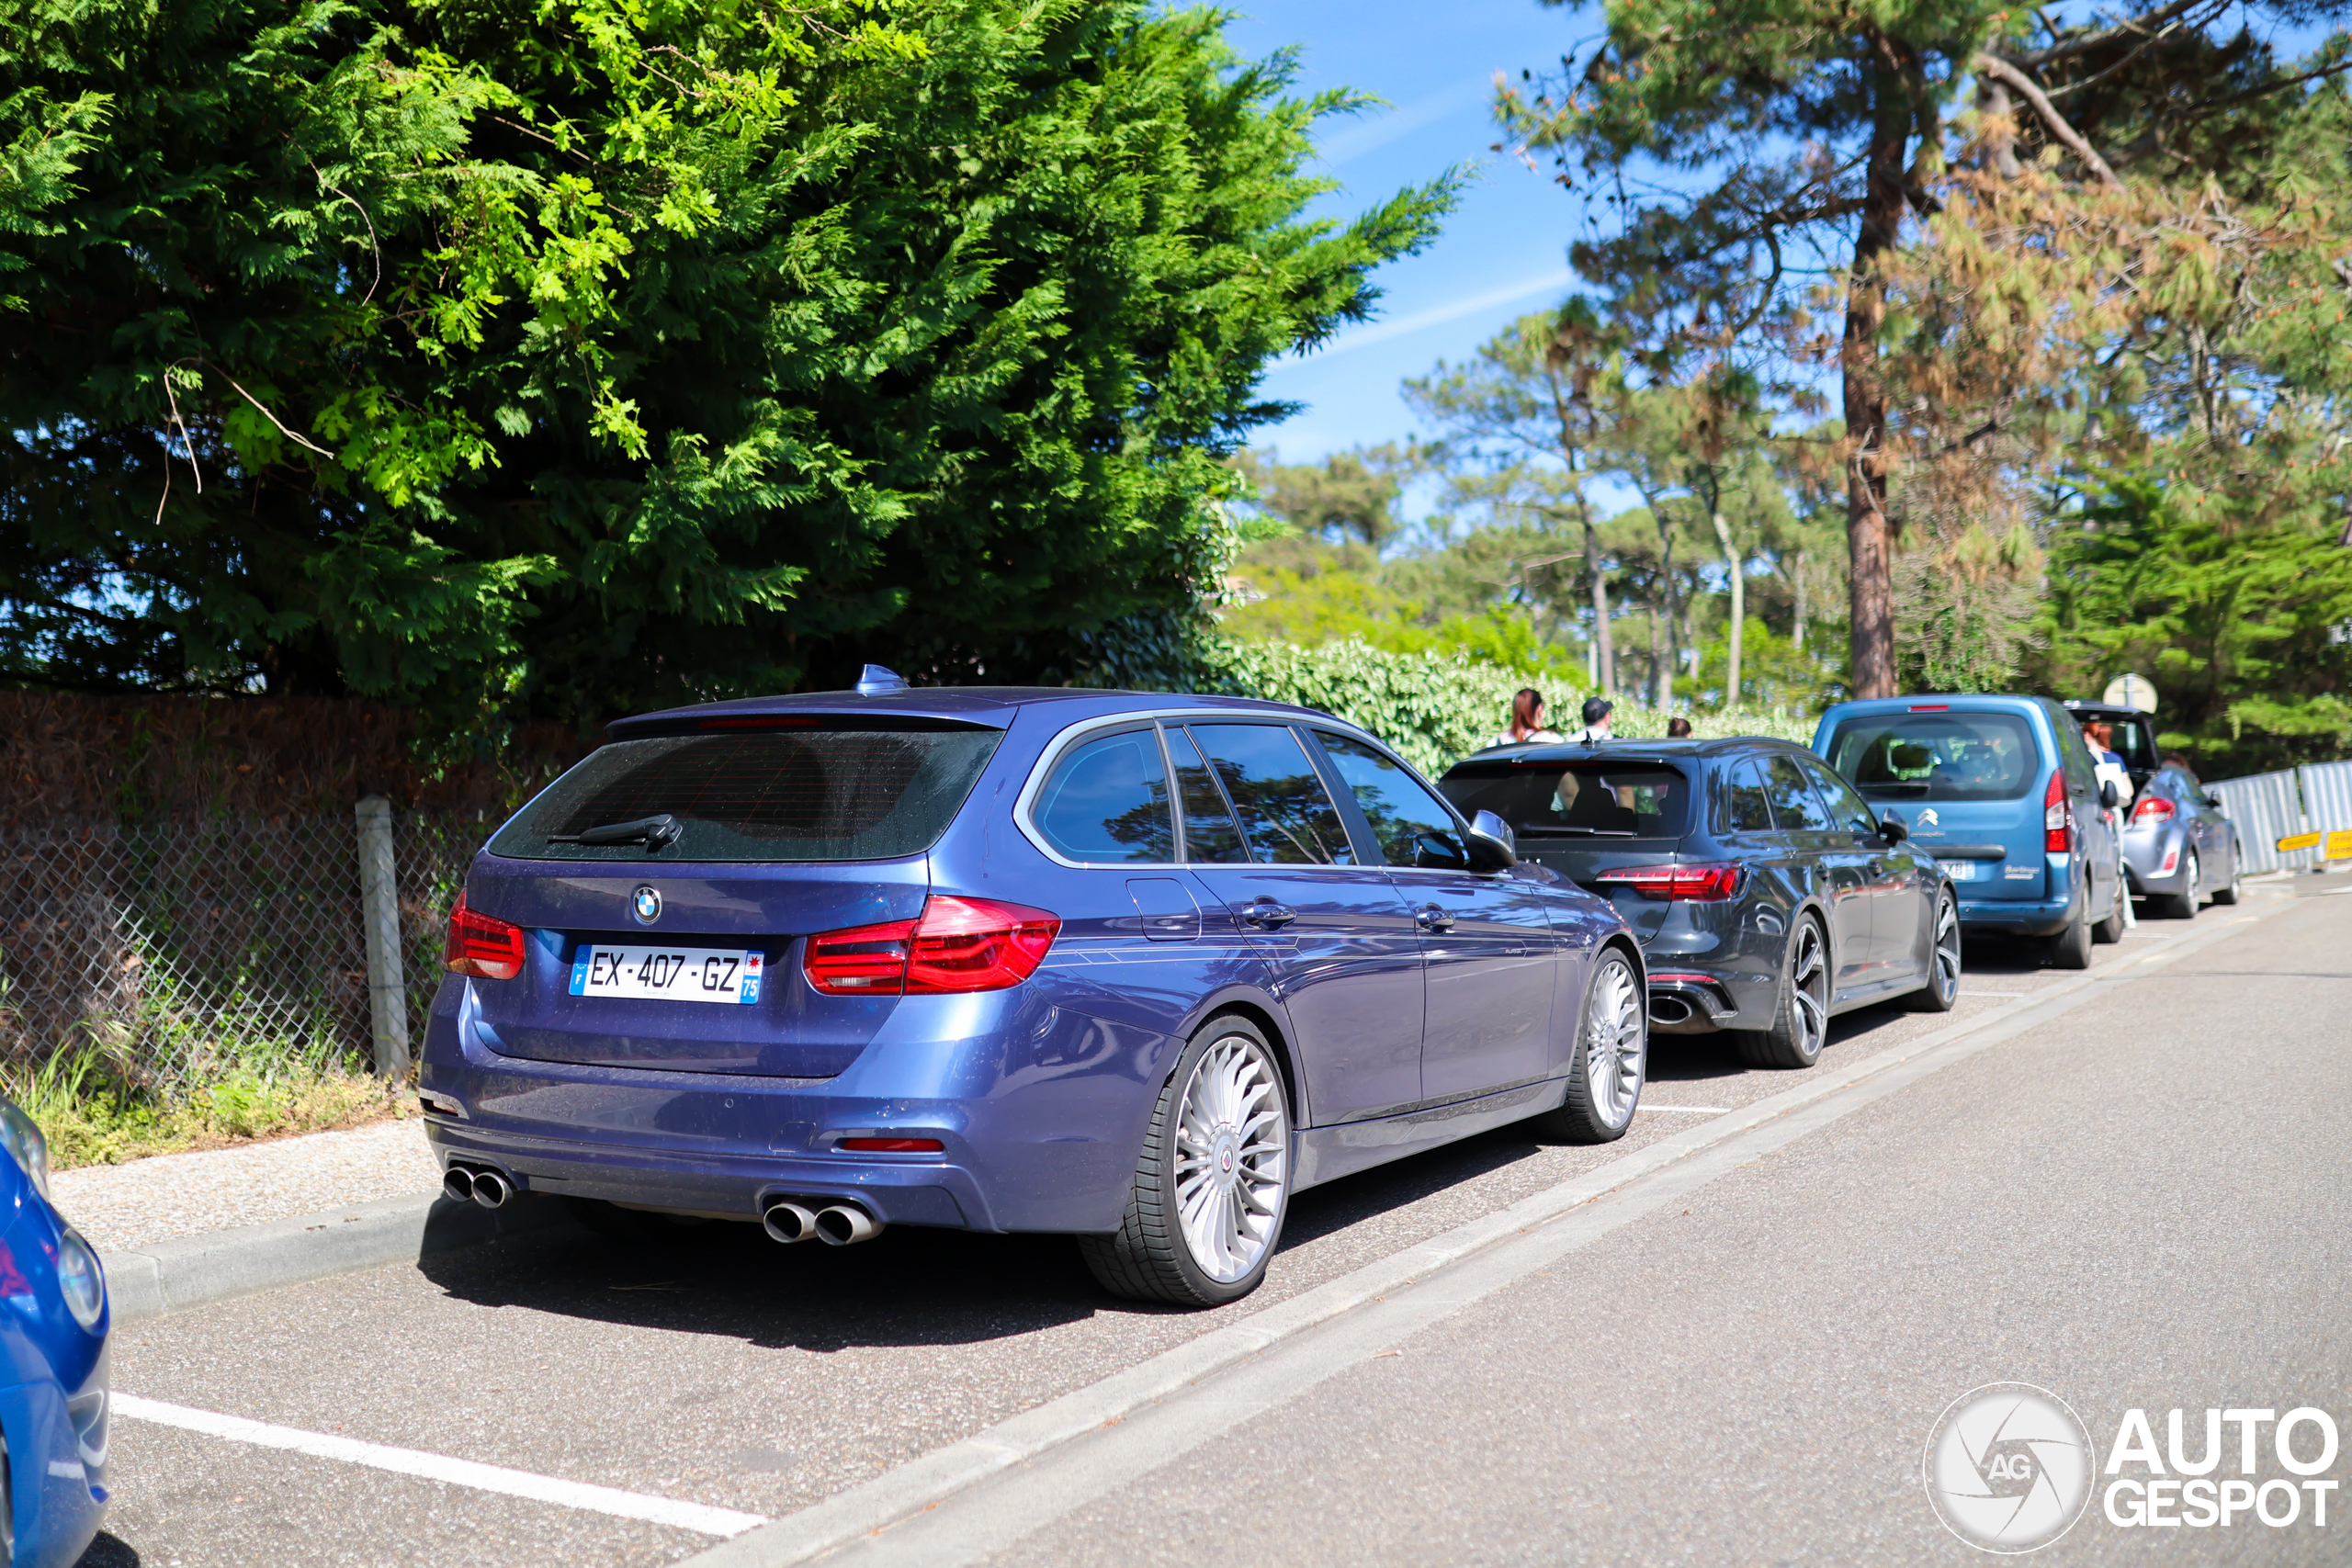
{"points": [[178, 950]]}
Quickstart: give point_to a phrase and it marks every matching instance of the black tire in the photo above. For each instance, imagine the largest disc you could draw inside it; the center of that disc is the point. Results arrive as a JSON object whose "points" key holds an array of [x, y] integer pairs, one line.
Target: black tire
{"points": [[1606, 1069], [1799, 1025], [2182, 905], [2110, 931], [2227, 898], [1942, 990], [2070, 948], [1150, 1256]]}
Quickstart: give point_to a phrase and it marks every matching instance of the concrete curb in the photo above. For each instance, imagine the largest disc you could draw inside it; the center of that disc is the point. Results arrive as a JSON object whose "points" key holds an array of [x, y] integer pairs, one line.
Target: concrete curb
{"points": [[190, 1271]]}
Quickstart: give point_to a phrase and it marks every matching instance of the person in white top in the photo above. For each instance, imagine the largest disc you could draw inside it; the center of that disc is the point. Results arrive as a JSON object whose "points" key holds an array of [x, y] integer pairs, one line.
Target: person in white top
{"points": [[1526, 720], [1595, 721]]}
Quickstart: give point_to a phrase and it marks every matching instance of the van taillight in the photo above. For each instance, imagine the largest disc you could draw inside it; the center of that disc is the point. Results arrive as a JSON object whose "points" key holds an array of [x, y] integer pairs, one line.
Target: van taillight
{"points": [[1694, 883], [481, 945], [956, 944], [2057, 816]]}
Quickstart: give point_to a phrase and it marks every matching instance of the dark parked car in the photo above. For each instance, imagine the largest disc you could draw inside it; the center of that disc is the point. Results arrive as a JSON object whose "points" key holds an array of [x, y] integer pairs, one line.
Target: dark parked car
{"points": [[2004, 793], [1135, 968], [1765, 895]]}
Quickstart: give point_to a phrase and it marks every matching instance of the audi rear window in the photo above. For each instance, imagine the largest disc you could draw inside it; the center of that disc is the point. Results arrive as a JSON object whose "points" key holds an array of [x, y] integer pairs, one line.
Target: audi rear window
{"points": [[1944, 755], [1583, 799], [827, 794]]}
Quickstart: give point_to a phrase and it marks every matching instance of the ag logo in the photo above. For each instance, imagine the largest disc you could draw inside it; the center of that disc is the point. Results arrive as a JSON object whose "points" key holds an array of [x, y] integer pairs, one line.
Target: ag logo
{"points": [[2008, 1467], [646, 904]]}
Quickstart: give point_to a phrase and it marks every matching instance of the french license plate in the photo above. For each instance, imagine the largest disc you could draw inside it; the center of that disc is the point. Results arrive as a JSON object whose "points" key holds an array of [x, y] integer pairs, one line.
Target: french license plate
{"points": [[671, 973], [1959, 870]]}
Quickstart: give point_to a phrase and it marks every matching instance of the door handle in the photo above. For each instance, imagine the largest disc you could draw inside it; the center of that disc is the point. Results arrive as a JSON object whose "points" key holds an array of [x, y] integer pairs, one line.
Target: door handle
{"points": [[1266, 914], [1433, 918]]}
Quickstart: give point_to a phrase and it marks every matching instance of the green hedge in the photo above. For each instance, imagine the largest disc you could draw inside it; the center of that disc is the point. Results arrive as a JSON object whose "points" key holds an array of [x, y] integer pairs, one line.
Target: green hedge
{"points": [[1434, 709]]}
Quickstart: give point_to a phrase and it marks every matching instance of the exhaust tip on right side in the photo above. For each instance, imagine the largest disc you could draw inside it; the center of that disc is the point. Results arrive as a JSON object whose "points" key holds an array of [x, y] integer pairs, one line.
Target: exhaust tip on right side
{"points": [[1669, 1010], [490, 1190]]}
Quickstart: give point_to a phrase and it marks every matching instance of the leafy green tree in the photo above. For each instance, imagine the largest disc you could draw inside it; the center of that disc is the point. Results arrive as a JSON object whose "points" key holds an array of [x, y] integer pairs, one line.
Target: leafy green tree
{"points": [[513, 355], [1751, 147]]}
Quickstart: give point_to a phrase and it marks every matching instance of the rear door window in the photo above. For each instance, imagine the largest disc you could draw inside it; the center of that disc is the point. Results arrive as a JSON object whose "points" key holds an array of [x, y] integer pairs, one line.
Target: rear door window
{"points": [[1952, 755], [807, 796], [1846, 809], [1795, 809], [1413, 827], [1286, 816], [1211, 836], [1586, 799], [1107, 801], [1746, 808]]}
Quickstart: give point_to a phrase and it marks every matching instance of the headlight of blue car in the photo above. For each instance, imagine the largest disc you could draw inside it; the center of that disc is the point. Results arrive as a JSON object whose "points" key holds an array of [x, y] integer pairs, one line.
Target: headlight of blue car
{"points": [[24, 1144], [79, 1279]]}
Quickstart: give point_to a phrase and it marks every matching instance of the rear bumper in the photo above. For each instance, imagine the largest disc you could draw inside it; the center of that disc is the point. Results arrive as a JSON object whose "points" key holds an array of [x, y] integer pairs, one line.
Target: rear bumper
{"points": [[1040, 1111], [2143, 862], [2024, 917]]}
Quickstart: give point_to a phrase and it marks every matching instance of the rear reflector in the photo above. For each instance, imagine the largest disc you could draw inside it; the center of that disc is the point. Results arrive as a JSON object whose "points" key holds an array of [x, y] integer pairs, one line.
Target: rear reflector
{"points": [[481, 945], [892, 1145], [956, 945], [1696, 884], [1675, 977]]}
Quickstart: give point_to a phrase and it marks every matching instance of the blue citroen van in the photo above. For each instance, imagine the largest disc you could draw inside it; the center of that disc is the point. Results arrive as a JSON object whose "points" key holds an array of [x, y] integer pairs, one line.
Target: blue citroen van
{"points": [[2004, 793]]}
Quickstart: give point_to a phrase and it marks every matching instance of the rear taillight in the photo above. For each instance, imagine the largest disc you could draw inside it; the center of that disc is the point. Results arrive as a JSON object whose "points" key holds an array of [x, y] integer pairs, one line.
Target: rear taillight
{"points": [[2154, 809], [2057, 816], [957, 944], [1697, 883], [481, 945]]}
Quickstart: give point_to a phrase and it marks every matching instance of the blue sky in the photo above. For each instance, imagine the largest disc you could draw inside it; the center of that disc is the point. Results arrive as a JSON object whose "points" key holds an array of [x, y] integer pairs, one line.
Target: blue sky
{"points": [[1501, 255]]}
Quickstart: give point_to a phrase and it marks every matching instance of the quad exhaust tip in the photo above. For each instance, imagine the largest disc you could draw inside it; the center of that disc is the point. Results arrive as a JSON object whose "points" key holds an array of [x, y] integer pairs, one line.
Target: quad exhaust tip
{"points": [[835, 1224], [484, 1185]]}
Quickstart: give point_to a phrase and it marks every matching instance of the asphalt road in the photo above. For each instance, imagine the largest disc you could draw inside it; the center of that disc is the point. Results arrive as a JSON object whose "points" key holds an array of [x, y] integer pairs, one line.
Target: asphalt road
{"points": [[1735, 1358]]}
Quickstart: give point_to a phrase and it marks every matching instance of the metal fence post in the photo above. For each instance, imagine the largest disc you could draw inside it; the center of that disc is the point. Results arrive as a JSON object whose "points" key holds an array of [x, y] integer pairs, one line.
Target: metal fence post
{"points": [[379, 906]]}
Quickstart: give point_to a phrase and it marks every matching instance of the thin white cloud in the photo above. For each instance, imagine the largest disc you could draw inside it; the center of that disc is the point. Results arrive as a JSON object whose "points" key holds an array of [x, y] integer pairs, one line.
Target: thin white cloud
{"points": [[1419, 321], [1366, 135]]}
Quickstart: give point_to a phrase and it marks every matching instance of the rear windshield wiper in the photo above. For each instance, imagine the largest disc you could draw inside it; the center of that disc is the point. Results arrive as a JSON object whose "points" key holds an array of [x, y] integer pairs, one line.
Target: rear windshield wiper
{"points": [[656, 832]]}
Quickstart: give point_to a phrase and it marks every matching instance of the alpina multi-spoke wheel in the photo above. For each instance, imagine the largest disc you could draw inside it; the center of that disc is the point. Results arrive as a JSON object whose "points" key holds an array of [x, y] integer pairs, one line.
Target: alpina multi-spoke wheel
{"points": [[1214, 1180], [1611, 1057], [1801, 1015]]}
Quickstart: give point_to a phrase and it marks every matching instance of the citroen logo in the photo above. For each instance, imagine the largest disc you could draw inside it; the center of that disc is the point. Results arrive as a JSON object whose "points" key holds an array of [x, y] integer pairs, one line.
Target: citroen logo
{"points": [[646, 904]]}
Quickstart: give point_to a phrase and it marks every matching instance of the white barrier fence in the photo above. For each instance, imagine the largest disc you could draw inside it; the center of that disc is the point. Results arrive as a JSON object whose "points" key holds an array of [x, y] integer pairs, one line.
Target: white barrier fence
{"points": [[2309, 802]]}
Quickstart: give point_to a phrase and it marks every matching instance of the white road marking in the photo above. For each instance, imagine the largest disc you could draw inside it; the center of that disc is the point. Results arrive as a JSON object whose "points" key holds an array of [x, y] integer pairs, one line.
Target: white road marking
{"points": [[437, 1466], [1693, 1109]]}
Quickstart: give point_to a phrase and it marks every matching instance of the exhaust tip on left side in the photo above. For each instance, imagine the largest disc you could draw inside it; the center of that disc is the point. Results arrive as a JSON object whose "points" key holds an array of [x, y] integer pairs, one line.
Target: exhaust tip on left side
{"points": [[1669, 1010], [457, 1184]]}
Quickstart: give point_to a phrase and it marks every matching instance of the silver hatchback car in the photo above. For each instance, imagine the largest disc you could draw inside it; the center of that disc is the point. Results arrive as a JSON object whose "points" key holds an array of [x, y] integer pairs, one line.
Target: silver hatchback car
{"points": [[2177, 847]]}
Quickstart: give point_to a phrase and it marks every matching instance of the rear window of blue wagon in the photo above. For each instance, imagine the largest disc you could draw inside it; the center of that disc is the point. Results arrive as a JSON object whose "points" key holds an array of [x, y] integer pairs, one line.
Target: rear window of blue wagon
{"points": [[776, 796]]}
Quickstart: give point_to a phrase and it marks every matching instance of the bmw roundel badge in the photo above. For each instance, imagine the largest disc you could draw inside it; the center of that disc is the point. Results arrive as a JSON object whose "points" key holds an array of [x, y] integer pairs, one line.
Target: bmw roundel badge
{"points": [[646, 904]]}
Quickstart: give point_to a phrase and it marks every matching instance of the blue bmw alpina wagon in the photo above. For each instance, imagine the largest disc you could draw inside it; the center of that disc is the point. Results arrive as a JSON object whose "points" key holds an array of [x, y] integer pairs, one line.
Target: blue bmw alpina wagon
{"points": [[1132, 967]]}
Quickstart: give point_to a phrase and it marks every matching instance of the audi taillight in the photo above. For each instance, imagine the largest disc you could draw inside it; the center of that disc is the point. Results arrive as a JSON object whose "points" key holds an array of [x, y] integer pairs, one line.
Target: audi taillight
{"points": [[481, 945], [1692, 884], [2057, 816], [956, 944], [2154, 809]]}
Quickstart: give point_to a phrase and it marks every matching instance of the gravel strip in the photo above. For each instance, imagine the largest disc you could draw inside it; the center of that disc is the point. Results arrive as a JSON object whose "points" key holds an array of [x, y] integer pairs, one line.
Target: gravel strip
{"points": [[153, 1199]]}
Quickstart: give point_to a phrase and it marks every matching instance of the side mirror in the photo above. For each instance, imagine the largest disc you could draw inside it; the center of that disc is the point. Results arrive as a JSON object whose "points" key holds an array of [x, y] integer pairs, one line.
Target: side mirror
{"points": [[2215, 802], [1493, 846], [1891, 828], [2109, 795]]}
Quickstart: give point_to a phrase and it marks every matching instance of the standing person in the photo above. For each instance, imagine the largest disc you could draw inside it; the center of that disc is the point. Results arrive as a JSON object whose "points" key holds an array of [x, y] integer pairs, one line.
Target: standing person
{"points": [[1526, 720], [1595, 721], [1678, 728], [2108, 760]]}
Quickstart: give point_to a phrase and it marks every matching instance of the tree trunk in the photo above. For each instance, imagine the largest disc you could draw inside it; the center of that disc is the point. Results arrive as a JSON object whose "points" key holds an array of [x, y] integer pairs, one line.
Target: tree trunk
{"points": [[1666, 600], [1604, 651], [1796, 634], [1661, 670], [1738, 604], [1868, 536]]}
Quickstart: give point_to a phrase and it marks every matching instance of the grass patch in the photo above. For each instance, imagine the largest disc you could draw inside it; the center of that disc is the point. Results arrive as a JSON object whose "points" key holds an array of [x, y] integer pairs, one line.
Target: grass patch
{"points": [[94, 1114]]}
